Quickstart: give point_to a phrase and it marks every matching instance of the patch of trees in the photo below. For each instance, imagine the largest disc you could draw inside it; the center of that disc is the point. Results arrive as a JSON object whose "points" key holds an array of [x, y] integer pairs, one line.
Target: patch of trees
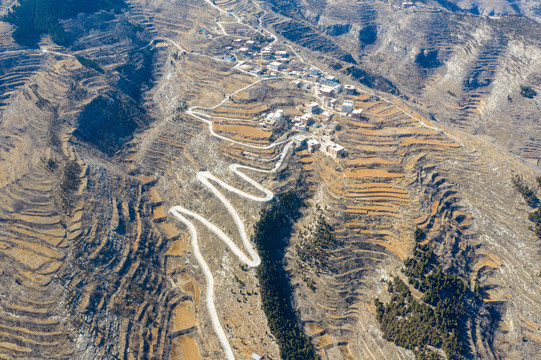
{"points": [[70, 182], [477, 79], [532, 200], [535, 217], [88, 63], [449, 5], [136, 73], [315, 242], [527, 92], [371, 80], [524, 190], [438, 320], [271, 236], [428, 59], [108, 121], [33, 18], [338, 29], [368, 35]]}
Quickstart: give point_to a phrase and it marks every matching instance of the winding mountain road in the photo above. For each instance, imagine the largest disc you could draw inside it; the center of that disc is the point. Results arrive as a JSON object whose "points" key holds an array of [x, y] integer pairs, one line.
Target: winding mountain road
{"points": [[251, 259]]}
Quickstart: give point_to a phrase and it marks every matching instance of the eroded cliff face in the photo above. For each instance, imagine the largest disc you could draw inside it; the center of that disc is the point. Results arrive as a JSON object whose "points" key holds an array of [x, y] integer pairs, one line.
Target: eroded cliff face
{"points": [[96, 148]]}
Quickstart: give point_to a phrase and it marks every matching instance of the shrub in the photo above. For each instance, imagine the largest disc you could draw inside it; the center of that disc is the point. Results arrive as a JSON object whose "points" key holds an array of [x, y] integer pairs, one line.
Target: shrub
{"points": [[527, 92]]}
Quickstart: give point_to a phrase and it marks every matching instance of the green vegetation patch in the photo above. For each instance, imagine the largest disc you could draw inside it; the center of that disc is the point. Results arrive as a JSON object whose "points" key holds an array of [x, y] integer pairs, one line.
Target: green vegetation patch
{"points": [[524, 190], [88, 63], [108, 121], [316, 241], [33, 18], [271, 236], [528, 92], [436, 321], [535, 216]]}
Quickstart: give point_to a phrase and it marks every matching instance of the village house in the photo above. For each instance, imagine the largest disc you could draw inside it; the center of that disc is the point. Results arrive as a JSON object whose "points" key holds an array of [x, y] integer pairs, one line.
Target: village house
{"points": [[313, 108], [250, 44], [275, 65], [314, 71], [336, 151], [282, 54], [357, 113], [330, 78], [332, 103], [349, 89], [279, 115], [313, 145], [334, 126], [238, 42], [327, 130], [407, 4], [306, 119], [326, 116], [326, 91], [299, 142], [347, 106], [275, 118], [266, 55]]}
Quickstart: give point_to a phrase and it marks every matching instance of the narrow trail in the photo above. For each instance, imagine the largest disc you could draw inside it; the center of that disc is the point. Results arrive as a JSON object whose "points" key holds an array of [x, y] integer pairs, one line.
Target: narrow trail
{"points": [[47, 51]]}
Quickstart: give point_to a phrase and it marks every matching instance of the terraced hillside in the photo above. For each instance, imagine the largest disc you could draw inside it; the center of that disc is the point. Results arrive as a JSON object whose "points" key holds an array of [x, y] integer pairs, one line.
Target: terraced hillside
{"points": [[83, 259], [144, 112]]}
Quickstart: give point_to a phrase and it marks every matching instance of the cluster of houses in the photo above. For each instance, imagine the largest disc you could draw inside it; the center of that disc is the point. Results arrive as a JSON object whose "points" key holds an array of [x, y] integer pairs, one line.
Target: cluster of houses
{"points": [[327, 87], [326, 146]]}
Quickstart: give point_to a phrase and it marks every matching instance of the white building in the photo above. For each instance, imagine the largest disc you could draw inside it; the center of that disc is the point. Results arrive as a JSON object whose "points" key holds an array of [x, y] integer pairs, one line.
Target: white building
{"points": [[357, 113], [282, 54], [275, 65], [238, 42], [330, 78], [275, 117], [350, 90], [266, 55], [279, 115], [347, 106], [313, 145], [336, 150], [256, 357], [313, 108], [306, 119], [326, 116], [326, 91]]}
